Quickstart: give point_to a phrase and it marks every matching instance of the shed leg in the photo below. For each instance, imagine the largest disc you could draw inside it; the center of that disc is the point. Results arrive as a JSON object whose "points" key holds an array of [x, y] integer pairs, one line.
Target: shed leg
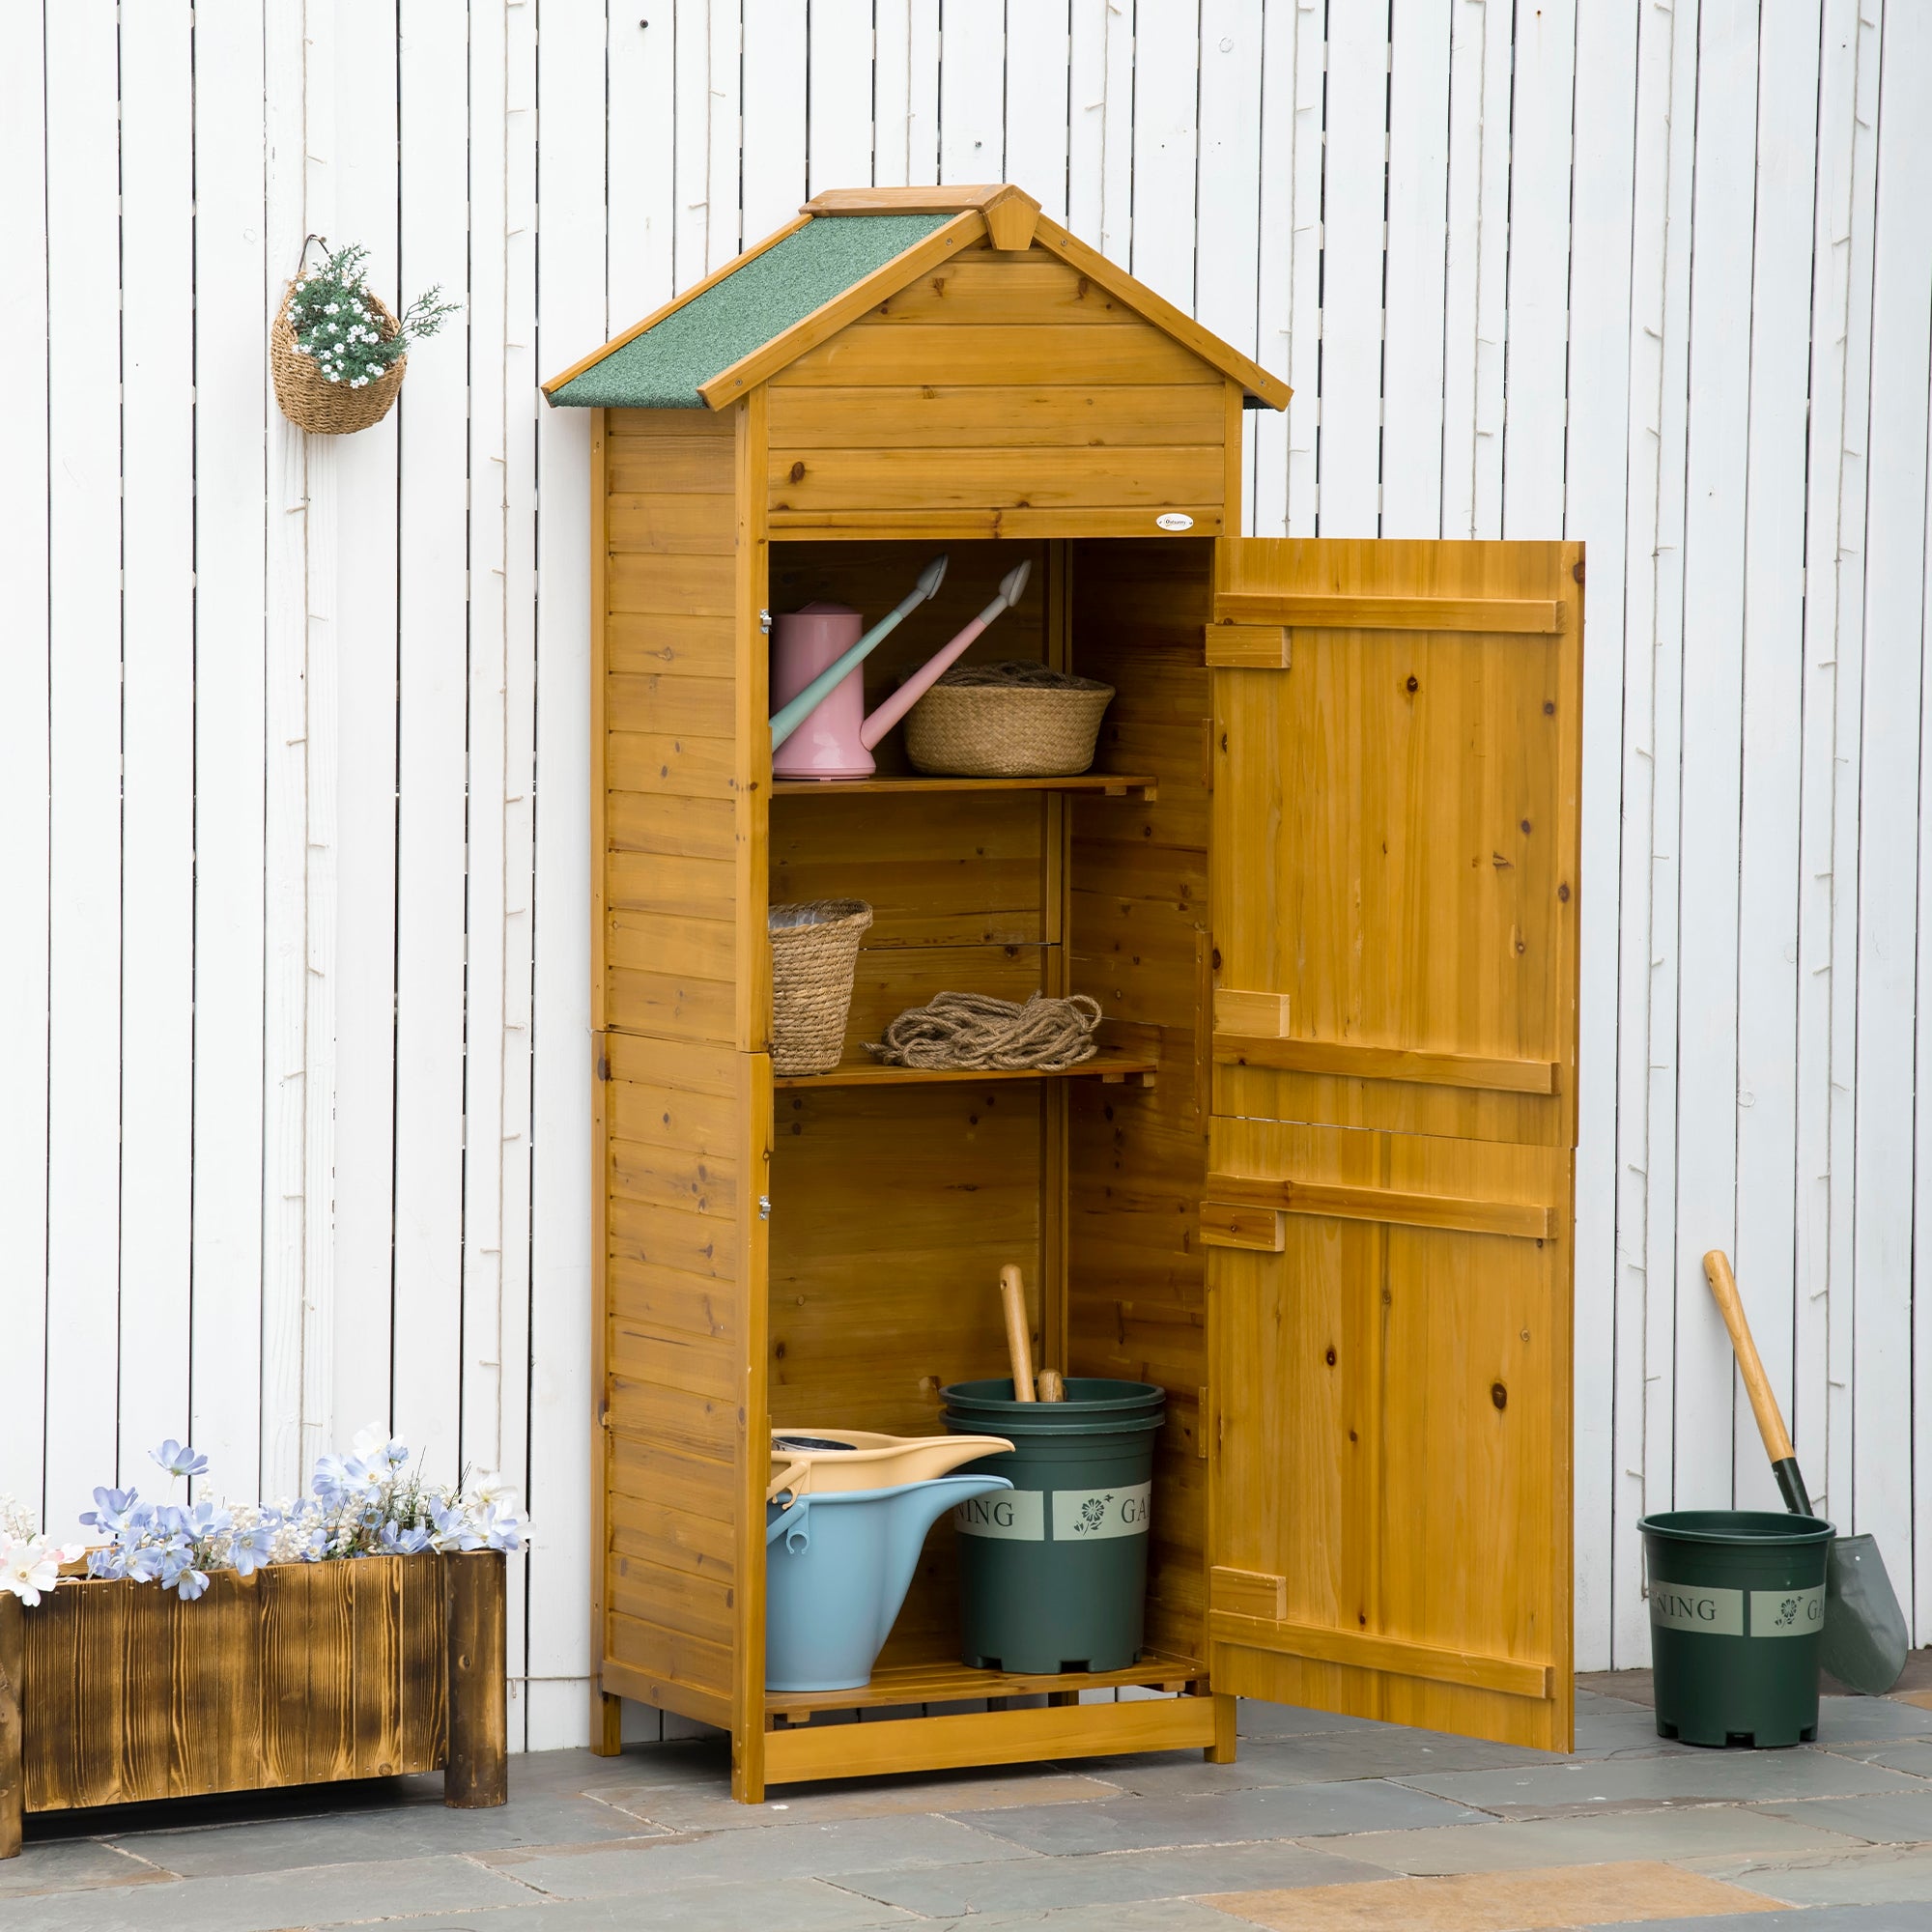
{"points": [[1222, 1749], [13, 1766], [476, 1773], [606, 1724]]}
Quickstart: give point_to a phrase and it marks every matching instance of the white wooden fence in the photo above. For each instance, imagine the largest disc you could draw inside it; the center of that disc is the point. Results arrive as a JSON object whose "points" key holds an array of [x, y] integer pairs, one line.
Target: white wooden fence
{"points": [[294, 1106]]}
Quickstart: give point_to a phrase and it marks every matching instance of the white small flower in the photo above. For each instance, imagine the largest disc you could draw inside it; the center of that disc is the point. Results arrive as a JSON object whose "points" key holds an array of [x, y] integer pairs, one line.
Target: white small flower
{"points": [[332, 375], [333, 308]]}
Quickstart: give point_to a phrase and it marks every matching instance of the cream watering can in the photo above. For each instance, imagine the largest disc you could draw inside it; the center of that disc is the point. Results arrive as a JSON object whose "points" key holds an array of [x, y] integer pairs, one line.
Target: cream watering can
{"points": [[820, 729]]}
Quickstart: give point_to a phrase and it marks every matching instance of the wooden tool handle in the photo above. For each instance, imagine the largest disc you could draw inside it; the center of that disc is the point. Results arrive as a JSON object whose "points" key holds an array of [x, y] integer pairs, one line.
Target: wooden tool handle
{"points": [[1758, 1384], [1051, 1387], [1019, 1343]]}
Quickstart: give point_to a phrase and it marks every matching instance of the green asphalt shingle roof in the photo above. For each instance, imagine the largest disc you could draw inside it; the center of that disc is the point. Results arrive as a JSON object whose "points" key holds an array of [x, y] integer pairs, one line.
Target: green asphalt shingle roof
{"points": [[662, 368]]}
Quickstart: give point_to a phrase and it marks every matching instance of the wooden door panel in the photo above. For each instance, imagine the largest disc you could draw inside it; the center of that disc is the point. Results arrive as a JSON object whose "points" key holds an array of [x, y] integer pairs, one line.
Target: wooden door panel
{"points": [[1392, 1398], [1393, 857], [1387, 1218]]}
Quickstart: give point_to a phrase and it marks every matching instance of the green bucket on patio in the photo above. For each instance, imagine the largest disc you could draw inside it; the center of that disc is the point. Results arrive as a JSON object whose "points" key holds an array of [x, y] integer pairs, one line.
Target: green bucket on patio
{"points": [[1053, 1574], [1737, 1605]]}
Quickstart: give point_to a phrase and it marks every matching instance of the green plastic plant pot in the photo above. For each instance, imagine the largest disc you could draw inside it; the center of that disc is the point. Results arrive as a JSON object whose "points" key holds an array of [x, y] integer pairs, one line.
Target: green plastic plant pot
{"points": [[1737, 1607], [1053, 1574]]}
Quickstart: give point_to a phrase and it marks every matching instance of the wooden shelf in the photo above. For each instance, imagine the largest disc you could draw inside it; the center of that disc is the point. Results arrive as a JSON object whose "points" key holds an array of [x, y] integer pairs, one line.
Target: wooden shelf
{"points": [[1114, 1069], [949, 1683], [1106, 784]]}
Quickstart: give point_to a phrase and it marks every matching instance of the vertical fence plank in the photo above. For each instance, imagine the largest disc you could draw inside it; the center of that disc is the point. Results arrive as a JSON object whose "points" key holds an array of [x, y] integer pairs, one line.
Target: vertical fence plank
{"points": [[776, 70], [1166, 141], [83, 566], [1228, 192], [1039, 47], [367, 477], [285, 1066], [838, 53], [972, 91], [24, 698], [1835, 650], [640, 187], [1708, 774], [1771, 759], [1353, 179], [1891, 799], [484, 1118], [1609, 1316], [564, 1282], [724, 232], [1268, 437], [157, 612], [433, 598], [230, 540], [1418, 230]]}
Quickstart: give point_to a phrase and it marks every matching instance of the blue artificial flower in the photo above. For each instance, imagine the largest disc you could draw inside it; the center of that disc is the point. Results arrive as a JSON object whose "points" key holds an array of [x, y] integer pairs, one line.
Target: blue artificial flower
{"points": [[453, 1528], [112, 1561], [503, 1529], [111, 1509], [397, 1541], [191, 1583], [250, 1548], [178, 1459], [205, 1520]]}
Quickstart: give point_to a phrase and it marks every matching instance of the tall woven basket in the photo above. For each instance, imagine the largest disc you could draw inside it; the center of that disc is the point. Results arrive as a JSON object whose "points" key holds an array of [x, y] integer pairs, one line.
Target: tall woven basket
{"points": [[814, 954], [1007, 721], [311, 402]]}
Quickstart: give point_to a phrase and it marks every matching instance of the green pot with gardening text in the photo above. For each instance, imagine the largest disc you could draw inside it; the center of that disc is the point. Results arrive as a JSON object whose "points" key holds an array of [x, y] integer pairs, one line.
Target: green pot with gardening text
{"points": [[1737, 1607], [1053, 1573]]}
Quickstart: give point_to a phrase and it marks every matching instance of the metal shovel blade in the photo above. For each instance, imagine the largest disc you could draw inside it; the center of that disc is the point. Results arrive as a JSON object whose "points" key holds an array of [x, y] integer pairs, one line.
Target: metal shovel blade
{"points": [[1865, 1643]]}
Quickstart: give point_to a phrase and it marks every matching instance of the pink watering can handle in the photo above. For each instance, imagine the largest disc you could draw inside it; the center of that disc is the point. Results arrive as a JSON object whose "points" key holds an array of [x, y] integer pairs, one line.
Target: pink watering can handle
{"points": [[929, 673]]}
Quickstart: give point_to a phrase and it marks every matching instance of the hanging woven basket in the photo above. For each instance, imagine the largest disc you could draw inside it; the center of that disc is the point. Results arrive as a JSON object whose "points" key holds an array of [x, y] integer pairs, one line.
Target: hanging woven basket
{"points": [[321, 407]]}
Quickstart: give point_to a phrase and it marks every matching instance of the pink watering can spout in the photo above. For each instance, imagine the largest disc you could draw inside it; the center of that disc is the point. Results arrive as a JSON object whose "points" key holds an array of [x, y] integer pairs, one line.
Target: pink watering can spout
{"points": [[819, 729]]}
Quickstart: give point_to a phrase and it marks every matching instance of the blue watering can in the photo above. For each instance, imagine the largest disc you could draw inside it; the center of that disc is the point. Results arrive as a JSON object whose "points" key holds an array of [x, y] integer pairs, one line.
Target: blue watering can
{"points": [[837, 1567]]}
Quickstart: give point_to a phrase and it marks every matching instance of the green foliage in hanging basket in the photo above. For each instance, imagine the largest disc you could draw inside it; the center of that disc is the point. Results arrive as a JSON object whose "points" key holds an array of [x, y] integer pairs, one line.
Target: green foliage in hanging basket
{"points": [[351, 335]]}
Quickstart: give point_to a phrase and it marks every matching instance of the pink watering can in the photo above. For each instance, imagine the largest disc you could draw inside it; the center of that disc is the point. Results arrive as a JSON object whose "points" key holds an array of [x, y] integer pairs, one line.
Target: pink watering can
{"points": [[820, 729]]}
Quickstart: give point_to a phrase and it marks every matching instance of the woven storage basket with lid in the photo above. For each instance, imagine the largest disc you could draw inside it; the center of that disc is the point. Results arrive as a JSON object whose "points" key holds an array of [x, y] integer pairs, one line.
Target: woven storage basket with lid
{"points": [[815, 952], [1007, 721], [317, 404]]}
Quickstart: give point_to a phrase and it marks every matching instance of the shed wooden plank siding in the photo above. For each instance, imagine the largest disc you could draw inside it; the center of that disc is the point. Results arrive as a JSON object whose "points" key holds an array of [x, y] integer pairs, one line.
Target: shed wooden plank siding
{"points": [[1136, 1300], [678, 1138], [1005, 386]]}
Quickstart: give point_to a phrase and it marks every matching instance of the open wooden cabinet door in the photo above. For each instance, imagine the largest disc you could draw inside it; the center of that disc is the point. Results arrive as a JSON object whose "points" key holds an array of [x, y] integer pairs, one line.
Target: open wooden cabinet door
{"points": [[1388, 1212]]}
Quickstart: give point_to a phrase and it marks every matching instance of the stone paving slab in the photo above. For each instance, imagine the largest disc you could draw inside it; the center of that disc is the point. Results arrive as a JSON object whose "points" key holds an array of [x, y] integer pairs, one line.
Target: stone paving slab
{"points": [[320, 1895], [766, 1905], [1639, 1891], [1706, 1777], [1833, 1918], [706, 1808], [791, 1851], [71, 1865], [1704, 1832], [1235, 1817], [1892, 1818], [407, 1831], [1111, 1878], [1886, 1876]]}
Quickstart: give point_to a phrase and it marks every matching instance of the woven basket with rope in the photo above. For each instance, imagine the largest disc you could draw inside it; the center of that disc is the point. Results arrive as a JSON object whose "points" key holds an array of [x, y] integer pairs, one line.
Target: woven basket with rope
{"points": [[1007, 721], [306, 397], [814, 954]]}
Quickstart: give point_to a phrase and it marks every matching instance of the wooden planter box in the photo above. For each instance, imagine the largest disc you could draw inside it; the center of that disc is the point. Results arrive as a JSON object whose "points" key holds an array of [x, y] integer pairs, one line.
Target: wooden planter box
{"points": [[304, 1673]]}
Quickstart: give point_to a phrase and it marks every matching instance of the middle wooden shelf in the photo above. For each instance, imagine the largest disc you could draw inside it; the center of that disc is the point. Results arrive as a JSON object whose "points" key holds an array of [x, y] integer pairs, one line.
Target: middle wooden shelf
{"points": [[1114, 1069]]}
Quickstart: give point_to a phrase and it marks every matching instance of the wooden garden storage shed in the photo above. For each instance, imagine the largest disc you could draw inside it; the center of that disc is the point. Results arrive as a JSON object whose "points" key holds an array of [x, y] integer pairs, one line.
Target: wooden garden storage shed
{"points": [[1323, 880]]}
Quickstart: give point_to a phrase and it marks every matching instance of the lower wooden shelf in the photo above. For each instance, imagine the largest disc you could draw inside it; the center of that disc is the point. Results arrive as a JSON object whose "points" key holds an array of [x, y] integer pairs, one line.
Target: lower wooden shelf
{"points": [[1112, 1069], [949, 1682]]}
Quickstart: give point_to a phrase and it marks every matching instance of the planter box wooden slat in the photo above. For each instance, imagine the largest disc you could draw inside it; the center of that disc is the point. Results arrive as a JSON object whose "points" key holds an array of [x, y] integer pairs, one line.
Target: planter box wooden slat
{"points": [[304, 1673]]}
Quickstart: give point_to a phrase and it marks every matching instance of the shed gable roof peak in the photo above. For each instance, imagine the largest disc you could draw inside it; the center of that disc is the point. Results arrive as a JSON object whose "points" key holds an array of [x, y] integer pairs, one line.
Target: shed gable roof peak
{"points": [[848, 250]]}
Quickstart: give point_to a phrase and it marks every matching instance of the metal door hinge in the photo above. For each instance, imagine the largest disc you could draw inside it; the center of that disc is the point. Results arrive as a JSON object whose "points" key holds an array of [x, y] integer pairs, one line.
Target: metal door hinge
{"points": [[765, 622], [764, 1207]]}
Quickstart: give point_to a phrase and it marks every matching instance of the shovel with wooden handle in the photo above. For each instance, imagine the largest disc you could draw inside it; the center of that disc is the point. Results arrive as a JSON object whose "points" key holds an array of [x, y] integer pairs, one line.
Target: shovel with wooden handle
{"points": [[1864, 1642], [1020, 1339]]}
